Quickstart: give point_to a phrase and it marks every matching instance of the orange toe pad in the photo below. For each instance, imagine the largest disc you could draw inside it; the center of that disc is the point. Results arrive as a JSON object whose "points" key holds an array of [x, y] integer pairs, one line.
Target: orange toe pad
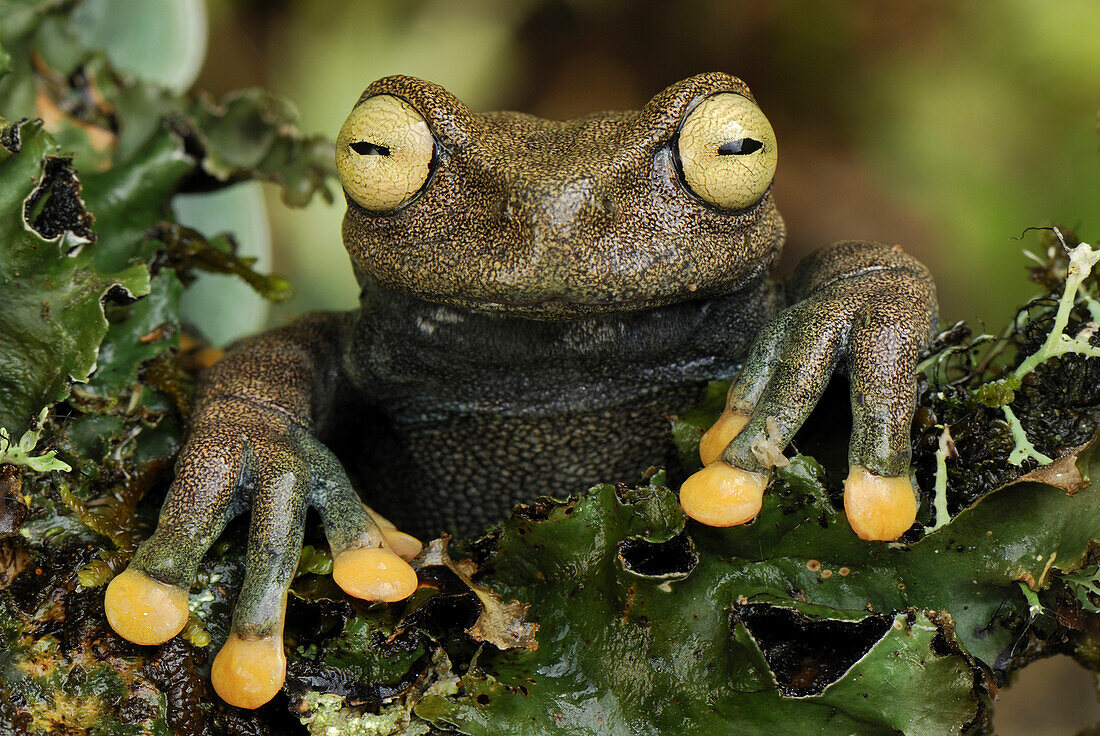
{"points": [[374, 574], [721, 433], [144, 610], [249, 672], [879, 507], [722, 495], [405, 546]]}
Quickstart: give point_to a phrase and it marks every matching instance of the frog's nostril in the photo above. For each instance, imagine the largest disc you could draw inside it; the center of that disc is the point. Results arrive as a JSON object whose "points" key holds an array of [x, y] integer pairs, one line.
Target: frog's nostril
{"points": [[607, 206], [508, 207]]}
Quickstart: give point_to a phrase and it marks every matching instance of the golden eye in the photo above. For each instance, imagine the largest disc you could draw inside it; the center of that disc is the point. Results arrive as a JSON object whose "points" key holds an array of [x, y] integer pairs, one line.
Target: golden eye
{"points": [[727, 151], [384, 153]]}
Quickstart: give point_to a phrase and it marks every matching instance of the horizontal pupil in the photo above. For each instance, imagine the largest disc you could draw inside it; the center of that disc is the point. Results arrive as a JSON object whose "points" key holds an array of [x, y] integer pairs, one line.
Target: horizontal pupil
{"points": [[366, 148], [740, 147]]}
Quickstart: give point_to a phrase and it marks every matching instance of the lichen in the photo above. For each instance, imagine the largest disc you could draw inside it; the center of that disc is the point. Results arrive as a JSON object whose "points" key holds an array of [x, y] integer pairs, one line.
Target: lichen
{"points": [[21, 452]]}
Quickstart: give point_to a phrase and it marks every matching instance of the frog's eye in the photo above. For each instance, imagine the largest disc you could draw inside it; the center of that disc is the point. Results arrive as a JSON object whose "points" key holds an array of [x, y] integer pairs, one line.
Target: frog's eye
{"points": [[726, 151], [384, 153]]}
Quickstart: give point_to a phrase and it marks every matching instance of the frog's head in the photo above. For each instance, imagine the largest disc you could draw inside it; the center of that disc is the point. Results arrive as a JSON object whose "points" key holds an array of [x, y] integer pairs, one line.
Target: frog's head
{"points": [[612, 212]]}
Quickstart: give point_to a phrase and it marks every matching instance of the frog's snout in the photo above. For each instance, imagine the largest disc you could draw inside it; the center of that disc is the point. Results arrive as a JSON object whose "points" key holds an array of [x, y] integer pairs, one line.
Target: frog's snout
{"points": [[559, 210]]}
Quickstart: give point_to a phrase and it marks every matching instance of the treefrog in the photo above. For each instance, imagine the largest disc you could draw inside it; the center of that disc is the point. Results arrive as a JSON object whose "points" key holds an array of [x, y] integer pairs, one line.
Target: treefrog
{"points": [[537, 297]]}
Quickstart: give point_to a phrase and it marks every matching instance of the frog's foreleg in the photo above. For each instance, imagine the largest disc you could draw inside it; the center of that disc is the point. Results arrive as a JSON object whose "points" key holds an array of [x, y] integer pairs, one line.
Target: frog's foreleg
{"points": [[252, 444], [860, 305]]}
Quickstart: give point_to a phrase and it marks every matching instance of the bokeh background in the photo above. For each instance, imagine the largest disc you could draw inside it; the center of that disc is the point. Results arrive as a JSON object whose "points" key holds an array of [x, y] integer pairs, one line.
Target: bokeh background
{"points": [[947, 127]]}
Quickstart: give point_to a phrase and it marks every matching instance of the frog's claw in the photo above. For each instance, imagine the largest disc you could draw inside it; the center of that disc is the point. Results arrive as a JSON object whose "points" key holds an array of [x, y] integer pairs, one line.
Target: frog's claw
{"points": [[874, 308]]}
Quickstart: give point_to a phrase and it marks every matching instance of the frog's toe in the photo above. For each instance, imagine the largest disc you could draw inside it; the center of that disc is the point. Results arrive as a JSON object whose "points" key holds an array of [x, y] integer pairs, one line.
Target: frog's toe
{"points": [[374, 574], [143, 610], [147, 603], [721, 433], [250, 668], [879, 497], [878, 507], [249, 671], [367, 550], [722, 495], [779, 384]]}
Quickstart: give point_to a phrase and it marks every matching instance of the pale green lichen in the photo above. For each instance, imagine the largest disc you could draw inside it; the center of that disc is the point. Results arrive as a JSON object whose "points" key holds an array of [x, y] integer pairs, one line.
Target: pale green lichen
{"points": [[946, 447], [1082, 259], [1000, 393], [328, 715], [1085, 583], [20, 453], [1034, 607], [1023, 449]]}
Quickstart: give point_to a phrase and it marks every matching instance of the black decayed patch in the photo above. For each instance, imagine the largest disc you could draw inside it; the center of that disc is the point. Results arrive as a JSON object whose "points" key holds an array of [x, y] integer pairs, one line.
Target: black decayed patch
{"points": [[303, 676], [55, 207], [11, 137], [455, 607], [675, 558], [807, 655]]}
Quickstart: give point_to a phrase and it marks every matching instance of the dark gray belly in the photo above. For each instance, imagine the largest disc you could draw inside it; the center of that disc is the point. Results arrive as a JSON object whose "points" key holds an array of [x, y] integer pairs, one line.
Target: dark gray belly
{"points": [[473, 413], [464, 472]]}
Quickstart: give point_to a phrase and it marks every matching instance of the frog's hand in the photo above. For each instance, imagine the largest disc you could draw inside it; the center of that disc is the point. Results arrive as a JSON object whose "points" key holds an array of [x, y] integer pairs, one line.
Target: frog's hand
{"points": [[222, 468], [869, 305], [259, 452], [251, 666]]}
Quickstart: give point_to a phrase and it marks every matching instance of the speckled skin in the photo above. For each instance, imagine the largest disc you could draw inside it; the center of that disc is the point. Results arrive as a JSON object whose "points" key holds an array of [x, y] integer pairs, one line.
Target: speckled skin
{"points": [[527, 323]]}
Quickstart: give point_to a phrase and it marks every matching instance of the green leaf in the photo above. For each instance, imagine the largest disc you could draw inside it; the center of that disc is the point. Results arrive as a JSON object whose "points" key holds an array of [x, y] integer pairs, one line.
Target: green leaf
{"points": [[170, 48], [138, 332], [50, 290], [623, 652], [252, 134], [129, 199]]}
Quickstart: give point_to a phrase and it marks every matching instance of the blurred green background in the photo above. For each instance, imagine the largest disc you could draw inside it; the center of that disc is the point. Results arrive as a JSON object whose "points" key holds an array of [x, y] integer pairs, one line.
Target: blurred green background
{"points": [[947, 127]]}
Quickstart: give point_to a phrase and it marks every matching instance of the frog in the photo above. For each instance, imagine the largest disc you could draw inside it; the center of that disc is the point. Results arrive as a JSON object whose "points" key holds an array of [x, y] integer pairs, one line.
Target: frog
{"points": [[537, 298]]}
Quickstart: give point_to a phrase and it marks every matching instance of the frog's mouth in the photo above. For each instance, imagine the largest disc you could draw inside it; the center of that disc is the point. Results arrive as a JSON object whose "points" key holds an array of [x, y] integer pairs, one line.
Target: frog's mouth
{"points": [[563, 305], [554, 307]]}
